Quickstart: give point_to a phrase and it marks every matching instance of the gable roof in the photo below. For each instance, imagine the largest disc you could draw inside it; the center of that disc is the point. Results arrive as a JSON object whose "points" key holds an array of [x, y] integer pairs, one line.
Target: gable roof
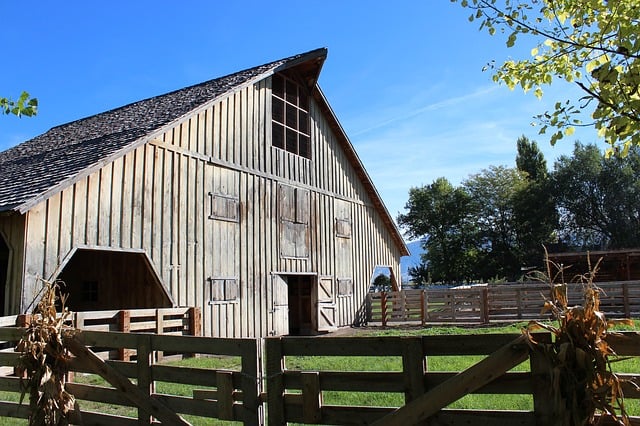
{"points": [[44, 162], [47, 163]]}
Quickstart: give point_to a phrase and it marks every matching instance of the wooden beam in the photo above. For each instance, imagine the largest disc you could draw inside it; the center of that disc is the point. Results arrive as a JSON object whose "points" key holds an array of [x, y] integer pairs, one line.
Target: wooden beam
{"points": [[466, 382], [121, 382]]}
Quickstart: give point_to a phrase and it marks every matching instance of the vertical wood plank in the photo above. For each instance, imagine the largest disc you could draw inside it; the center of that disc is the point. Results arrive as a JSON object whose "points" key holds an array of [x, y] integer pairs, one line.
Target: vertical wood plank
{"points": [[224, 385], [145, 379], [275, 382], [541, 382], [124, 325], [413, 367], [104, 203], [311, 397]]}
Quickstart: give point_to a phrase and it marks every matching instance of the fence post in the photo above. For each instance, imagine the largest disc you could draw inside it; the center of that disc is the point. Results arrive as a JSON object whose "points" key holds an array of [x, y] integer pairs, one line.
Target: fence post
{"points": [[413, 368], [124, 325], [145, 379], [423, 307], [195, 321], [275, 382], [78, 319], [383, 307], [541, 383], [484, 305], [159, 330], [311, 397], [625, 295], [23, 320]]}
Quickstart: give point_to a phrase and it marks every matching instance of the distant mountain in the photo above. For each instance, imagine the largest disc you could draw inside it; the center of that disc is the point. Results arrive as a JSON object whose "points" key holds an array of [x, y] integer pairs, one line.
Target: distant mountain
{"points": [[413, 260]]}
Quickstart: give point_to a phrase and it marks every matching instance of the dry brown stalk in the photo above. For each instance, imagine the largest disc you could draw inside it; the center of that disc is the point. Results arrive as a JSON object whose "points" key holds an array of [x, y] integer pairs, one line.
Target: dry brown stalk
{"points": [[579, 358], [44, 361]]}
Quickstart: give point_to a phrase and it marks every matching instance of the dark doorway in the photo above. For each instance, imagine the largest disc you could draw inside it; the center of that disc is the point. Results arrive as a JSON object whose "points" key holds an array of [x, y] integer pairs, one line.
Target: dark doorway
{"points": [[4, 273], [299, 292], [104, 279]]}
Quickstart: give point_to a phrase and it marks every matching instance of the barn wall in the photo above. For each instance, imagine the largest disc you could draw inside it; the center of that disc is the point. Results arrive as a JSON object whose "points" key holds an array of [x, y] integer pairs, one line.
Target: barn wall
{"points": [[160, 197], [12, 229]]}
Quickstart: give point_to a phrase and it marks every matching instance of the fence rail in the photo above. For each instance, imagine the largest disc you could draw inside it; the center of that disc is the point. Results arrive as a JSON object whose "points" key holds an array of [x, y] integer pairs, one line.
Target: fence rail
{"points": [[222, 394], [492, 303], [298, 395]]}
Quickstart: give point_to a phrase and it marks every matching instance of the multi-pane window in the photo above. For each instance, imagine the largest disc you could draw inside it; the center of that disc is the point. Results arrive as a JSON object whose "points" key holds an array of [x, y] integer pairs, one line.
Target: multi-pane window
{"points": [[290, 114]]}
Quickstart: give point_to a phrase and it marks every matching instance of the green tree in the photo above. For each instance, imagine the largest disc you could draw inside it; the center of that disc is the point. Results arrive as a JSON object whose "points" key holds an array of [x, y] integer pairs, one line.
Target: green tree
{"points": [[536, 217], [598, 198], [493, 192], [382, 282], [25, 105], [593, 44], [438, 215]]}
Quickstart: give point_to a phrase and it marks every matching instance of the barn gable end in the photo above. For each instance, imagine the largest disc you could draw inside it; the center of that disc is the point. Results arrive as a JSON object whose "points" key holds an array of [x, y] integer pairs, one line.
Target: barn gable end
{"points": [[267, 240]]}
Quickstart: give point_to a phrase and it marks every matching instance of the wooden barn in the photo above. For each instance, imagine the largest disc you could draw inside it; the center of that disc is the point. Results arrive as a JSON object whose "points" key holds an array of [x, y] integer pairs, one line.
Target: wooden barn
{"points": [[614, 265], [241, 195]]}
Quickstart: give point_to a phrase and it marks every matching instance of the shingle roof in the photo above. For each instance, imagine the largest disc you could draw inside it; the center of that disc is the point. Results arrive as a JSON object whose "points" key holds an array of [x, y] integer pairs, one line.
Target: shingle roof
{"points": [[37, 165], [41, 164]]}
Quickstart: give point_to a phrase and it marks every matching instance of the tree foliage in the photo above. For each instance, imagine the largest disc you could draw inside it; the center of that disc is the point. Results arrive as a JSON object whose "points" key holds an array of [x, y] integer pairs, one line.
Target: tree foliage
{"points": [[25, 105], [536, 217], [598, 198], [593, 44], [497, 221], [493, 192], [439, 215]]}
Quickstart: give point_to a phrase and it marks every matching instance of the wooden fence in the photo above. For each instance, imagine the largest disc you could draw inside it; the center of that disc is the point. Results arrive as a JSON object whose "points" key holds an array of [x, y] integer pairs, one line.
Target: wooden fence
{"points": [[492, 303], [223, 394], [172, 321], [296, 395]]}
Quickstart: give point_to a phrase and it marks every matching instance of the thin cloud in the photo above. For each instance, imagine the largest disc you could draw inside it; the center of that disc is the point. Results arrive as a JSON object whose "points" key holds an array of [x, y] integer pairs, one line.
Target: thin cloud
{"points": [[431, 107]]}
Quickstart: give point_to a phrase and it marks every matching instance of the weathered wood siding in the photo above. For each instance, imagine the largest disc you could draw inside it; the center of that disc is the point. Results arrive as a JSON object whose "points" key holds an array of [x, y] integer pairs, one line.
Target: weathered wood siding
{"points": [[12, 231], [159, 197]]}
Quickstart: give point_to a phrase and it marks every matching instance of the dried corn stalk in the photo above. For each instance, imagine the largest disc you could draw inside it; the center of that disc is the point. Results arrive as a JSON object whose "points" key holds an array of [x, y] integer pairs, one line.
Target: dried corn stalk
{"points": [[44, 361], [579, 358]]}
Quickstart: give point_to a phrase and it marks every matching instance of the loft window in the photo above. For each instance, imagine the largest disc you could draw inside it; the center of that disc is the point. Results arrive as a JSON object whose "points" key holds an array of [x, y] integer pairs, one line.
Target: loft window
{"points": [[290, 114], [223, 290]]}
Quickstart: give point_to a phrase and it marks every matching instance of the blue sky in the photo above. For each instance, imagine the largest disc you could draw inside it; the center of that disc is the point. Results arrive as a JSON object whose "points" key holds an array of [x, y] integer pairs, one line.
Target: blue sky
{"points": [[404, 77]]}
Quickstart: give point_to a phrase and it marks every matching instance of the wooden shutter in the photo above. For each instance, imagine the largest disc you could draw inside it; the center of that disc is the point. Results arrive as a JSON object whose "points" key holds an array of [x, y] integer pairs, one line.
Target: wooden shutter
{"points": [[294, 213]]}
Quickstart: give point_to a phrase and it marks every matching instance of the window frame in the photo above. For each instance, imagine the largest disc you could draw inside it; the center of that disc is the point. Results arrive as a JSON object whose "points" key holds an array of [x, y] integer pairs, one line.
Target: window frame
{"points": [[290, 116]]}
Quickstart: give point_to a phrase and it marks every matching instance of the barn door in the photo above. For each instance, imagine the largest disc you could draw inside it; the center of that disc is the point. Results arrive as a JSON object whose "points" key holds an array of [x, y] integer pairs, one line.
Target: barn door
{"points": [[279, 306], [326, 312]]}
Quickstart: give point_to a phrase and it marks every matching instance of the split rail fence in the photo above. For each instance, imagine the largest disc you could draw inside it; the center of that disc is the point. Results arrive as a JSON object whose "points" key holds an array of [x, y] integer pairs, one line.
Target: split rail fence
{"points": [[492, 303], [293, 394]]}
